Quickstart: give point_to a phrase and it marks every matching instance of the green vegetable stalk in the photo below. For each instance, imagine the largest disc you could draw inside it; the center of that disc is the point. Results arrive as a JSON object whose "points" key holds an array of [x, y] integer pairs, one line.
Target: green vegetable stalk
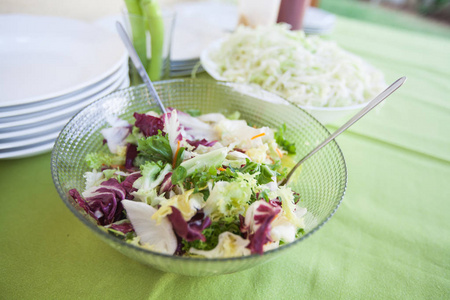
{"points": [[138, 29], [155, 25]]}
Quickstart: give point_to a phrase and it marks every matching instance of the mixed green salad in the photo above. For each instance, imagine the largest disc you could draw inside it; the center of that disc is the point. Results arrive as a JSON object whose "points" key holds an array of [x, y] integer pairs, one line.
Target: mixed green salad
{"points": [[187, 184]]}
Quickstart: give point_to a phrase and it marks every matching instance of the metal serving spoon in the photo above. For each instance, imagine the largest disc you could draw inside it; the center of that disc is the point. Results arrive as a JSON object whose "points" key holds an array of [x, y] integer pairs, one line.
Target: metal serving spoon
{"points": [[377, 100], [139, 66]]}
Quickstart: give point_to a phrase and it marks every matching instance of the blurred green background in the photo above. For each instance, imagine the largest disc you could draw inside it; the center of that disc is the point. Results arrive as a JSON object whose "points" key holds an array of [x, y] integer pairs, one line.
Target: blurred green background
{"points": [[426, 16]]}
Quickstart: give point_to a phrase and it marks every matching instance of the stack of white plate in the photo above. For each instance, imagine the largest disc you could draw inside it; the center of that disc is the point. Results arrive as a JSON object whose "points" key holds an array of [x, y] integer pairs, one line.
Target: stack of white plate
{"points": [[318, 21], [184, 67], [198, 24], [51, 68]]}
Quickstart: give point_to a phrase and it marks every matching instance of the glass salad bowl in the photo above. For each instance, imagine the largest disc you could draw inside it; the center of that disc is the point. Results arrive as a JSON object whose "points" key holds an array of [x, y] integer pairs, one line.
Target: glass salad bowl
{"points": [[321, 182]]}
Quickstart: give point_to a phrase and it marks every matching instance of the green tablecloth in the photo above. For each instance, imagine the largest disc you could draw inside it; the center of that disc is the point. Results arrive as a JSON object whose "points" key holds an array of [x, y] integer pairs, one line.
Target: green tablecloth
{"points": [[389, 239]]}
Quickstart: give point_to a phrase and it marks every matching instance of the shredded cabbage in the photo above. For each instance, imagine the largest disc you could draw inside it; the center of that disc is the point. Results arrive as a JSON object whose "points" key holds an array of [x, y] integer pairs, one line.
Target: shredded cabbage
{"points": [[306, 70]]}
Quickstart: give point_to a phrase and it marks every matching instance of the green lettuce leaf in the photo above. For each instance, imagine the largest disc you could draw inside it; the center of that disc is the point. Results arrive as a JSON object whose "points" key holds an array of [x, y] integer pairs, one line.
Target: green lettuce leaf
{"points": [[205, 161], [155, 148], [194, 112], [230, 224], [97, 160], [265, 172], [282, 142]]}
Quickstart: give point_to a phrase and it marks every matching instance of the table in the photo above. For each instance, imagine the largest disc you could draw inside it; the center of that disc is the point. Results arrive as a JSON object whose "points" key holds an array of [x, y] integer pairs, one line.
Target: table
{"points": [[390, 238]]}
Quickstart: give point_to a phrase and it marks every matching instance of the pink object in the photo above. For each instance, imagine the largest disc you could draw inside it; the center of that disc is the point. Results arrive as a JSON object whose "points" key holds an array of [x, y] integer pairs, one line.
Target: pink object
{"points": [[292, 12]]}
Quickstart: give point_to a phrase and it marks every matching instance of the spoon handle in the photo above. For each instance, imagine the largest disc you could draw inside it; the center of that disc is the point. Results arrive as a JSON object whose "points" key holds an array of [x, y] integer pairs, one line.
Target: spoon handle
{"points": [[138, 64], [377, 100]]}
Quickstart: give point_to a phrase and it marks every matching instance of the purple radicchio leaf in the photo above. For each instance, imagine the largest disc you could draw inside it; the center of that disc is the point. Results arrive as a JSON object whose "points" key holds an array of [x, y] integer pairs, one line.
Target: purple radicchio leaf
{"points": [[194, 128], [166, 184], [191, 230], [123, 227], [102, 202], [263, 217], [242, 227], [127, 184], [173, 129], [179, 251], [115, 136], [148, 125], [203, 142], [77, 197], [130, 156], [275, 202]]}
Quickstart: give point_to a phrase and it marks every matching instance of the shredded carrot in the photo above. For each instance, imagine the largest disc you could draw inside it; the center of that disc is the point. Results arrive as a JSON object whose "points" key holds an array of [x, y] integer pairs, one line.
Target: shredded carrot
{"points": [[176, 154], [117, 166], [221, 169], [258, 135], [279, 153]]}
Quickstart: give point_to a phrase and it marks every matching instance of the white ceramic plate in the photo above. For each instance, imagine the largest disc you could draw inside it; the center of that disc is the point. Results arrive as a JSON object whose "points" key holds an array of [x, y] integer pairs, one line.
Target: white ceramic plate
{"points": [[32, 130], [198, 24], [317, 20], [44, 145], [40, 106], [190, 62], [30, 141], [187, 72], [208, 64], [22, 152], [43, 57], [183, 68], [46, 117], [40, 128], [318, 31]]}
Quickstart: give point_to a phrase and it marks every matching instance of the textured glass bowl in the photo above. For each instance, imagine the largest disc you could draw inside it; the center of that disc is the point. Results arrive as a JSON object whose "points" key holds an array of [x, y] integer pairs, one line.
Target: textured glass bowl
{"points": [[321, 181]]}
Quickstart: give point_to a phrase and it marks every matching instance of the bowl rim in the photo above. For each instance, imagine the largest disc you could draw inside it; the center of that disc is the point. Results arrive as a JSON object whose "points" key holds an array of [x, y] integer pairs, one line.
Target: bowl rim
{"points": [[64, 197], [333, 109]]}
